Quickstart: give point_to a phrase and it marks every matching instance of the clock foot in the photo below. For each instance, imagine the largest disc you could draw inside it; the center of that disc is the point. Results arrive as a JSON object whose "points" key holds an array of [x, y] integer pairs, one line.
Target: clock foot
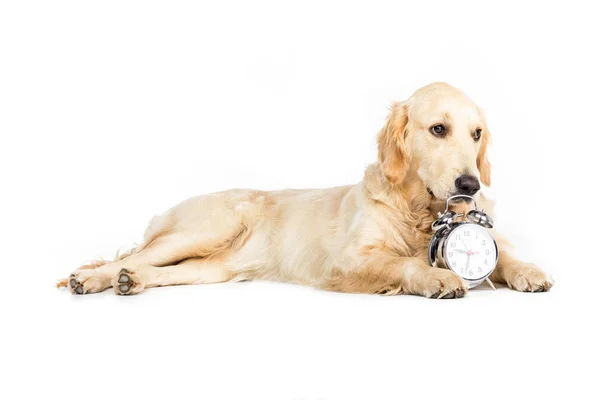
{"points": [[490, 283]]}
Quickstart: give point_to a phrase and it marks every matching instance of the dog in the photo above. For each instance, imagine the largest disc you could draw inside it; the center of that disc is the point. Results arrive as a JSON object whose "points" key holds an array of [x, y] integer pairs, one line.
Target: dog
{"points": [[371, 237]]}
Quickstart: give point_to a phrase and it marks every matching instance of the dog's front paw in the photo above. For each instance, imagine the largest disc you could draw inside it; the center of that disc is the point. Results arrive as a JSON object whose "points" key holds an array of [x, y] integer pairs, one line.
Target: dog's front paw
{"points": [[439, 283], [527, 278]]}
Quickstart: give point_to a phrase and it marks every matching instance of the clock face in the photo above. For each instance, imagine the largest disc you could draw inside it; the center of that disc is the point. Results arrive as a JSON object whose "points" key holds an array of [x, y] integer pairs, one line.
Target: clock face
{"points": [[471, 252]]}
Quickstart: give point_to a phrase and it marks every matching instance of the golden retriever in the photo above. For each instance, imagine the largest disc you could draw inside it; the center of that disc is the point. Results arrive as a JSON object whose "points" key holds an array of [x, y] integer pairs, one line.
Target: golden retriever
{"points": [[371, 237]]}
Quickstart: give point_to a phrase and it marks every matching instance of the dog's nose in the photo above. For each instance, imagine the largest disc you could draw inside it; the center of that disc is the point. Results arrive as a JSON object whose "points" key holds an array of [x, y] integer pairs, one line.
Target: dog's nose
{"points": [[467, 184]]}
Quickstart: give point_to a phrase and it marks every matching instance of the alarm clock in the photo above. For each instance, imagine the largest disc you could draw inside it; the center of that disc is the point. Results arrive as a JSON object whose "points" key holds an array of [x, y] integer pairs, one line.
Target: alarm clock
{"points": [[464, 247]]}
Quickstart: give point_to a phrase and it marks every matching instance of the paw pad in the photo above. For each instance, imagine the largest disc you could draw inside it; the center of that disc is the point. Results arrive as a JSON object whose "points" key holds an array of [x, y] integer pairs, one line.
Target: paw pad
{"points": [[76, 287], [125, 283]]}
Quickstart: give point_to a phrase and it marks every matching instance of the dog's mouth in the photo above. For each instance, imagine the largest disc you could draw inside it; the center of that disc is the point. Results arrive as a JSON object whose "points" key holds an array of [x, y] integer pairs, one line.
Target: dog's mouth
{"points": [[462, 199], [453, 201]]}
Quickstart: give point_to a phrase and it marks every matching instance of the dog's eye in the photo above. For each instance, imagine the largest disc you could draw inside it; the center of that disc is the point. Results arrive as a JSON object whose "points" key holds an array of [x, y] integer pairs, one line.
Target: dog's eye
{"points": [[438, 130], [477, 134]]}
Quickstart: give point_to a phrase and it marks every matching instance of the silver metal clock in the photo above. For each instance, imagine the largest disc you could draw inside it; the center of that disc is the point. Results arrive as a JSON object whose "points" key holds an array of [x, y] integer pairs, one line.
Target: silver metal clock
{"points": [[465, 247]]}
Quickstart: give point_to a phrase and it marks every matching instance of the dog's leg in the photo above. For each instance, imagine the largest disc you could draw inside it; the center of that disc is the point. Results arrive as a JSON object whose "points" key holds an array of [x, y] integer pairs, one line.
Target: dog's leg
{"points": [[201, 231], [189, 272], [167, 250], [97, 282], [398, 275], [519, 275]]}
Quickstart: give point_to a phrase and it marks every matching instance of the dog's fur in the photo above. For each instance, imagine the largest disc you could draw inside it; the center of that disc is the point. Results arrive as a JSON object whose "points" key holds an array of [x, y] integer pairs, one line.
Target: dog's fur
{"points": [[371, 237]]}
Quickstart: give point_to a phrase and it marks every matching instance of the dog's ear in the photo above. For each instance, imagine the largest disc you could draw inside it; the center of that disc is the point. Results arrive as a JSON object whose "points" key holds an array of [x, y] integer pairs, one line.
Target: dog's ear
{"points": [[483, 165], [485, 169], [393, 158]]}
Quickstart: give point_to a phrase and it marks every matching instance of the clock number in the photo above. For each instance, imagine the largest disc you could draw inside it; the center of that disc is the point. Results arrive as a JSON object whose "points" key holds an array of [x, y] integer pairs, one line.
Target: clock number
{"points": [[450, 254], [467, 233], [485, 262], [453, 244], [454, 263], [470, 272], [483, 242], [462, 270], [479, 269], [487, 252], [457, 237]]}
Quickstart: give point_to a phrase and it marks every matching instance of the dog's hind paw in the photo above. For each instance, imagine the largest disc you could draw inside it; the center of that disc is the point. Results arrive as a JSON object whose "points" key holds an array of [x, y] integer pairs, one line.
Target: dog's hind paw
{"points": [[127, 283]]}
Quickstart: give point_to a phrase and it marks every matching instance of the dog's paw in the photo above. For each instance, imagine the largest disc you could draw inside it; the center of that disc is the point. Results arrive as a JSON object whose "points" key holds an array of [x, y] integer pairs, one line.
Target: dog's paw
{"points": [[85, 281], [527, 278], [441, 284], [127, 282]]}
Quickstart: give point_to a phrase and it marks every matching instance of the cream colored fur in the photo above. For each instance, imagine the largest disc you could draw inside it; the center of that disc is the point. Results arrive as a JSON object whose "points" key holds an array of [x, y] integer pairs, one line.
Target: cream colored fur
{"points": [[370, 237]]}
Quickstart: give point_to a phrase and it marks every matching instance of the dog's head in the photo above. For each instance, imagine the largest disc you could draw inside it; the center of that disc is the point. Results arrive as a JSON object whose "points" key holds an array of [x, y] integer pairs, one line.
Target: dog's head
{"points": [[438, 136]]}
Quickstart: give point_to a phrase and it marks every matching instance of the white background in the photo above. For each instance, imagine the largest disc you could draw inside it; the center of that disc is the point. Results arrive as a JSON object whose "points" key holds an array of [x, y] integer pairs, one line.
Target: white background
{"points": [[113, 111]]}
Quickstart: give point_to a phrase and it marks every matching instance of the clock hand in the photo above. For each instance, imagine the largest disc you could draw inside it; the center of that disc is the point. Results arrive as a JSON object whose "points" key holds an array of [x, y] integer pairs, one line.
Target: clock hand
{"points": [[468, 260], [460, 251], [468, 253], [464, 244]]}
